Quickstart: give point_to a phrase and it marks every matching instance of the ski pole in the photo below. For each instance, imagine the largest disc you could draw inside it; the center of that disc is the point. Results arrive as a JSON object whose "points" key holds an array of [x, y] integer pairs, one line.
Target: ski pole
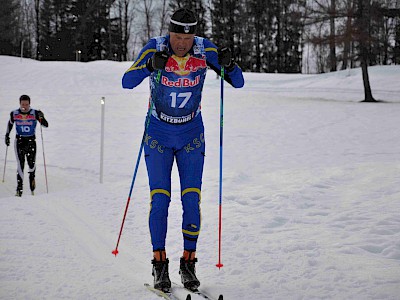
{"points": [[115, 251], [5, 163], [221, 118], [44, 158]]}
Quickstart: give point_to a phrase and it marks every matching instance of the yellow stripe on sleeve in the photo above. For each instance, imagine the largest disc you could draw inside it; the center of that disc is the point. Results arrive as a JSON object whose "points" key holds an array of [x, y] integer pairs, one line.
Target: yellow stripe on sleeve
{"points": [[211, 49], [135, 65]]}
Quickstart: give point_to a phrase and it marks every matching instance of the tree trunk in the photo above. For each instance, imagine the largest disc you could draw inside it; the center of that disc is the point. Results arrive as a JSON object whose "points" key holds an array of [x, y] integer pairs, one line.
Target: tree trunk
{"points": [[367, 86], [278, 38], [347, 37], [332, 40], [37, 9], [363, 16], [258, 39]]}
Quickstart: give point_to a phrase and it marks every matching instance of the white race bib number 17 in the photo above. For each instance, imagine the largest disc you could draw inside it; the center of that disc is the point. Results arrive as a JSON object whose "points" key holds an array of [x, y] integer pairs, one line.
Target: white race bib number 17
{"points": [[174, 97]]}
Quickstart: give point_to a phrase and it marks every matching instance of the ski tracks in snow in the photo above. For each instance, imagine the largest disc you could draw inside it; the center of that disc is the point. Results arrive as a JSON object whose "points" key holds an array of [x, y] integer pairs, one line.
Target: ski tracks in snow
{"points": [[60, 235]]}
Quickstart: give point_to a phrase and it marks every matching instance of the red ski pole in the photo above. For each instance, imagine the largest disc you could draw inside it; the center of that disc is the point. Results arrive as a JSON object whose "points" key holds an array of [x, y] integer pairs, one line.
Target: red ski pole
{"points": [[115, 251]]}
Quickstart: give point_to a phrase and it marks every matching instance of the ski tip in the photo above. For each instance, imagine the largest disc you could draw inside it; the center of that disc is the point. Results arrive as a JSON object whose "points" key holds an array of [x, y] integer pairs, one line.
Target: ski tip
{"points": [[115, 252], [221, 297], [188, 297]]}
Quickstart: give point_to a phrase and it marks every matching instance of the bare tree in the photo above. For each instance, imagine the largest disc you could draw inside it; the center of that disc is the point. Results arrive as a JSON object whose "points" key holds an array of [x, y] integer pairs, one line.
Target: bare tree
{"points": [[26, 28], [346, 37], [163, 17], [37, 11], [389, 13], [332, 42], [363, 15], [147, 8], [322, 15], [125, 12]]}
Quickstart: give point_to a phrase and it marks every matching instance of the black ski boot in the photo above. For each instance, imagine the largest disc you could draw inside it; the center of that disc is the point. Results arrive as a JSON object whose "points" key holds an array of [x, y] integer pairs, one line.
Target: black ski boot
{"points": [[18, 192], [32, 182], [188, 274], [161, 275]]}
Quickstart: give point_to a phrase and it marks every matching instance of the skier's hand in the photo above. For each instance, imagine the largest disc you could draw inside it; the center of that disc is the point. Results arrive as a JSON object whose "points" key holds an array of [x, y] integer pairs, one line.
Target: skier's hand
{"points": [[40, 114], [225, 58], [158, 61], [7, 140], [44, 122]]}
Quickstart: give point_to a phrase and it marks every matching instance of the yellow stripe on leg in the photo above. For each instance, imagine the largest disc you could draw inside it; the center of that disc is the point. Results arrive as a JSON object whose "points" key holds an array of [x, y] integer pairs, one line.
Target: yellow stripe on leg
{"points": [[159, 191], [191, 232], [195, 190], [198, 191]]}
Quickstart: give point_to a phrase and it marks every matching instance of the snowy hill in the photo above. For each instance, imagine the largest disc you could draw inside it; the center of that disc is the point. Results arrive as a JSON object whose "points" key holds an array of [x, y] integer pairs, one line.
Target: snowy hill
{"points": [[311, 187]]}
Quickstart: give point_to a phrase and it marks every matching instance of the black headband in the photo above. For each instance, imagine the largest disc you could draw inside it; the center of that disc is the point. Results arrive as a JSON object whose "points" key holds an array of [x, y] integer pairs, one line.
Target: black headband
{"points": [[179, 27]]}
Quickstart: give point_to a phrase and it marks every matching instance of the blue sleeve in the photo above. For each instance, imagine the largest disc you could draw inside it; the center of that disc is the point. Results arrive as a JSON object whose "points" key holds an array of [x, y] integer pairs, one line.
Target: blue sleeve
{"points": [[234, 77], [138, 71]]}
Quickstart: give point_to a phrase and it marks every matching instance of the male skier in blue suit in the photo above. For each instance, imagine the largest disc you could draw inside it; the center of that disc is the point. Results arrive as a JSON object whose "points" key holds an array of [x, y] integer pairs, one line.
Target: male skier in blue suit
{"points": [[177, 65]]}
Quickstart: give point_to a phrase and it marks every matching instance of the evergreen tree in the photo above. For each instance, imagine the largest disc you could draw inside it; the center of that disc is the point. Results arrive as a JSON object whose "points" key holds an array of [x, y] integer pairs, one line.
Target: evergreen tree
{"points": [[9, 33], [396, 47], [265, 34], [294, 28], [289, 30], [261, 31], [226, 25], [54, 38], [77, 29]]}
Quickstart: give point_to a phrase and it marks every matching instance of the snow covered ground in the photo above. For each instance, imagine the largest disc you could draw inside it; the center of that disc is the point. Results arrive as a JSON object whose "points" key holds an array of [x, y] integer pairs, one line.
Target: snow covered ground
{"points": [[311, 199]]}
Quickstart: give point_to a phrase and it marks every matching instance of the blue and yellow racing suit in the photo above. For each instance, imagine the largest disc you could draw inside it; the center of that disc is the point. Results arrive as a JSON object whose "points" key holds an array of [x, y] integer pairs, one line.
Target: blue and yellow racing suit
{"points": [[176, 131]]}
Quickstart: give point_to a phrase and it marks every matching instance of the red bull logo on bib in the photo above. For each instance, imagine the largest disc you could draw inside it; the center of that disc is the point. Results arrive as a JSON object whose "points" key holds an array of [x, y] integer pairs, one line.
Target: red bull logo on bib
{"points": [[181, 82]]}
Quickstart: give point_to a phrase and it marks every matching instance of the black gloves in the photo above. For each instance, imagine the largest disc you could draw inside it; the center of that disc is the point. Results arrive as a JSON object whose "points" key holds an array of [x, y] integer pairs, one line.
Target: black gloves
{"points": [[42, 120], [225, 58], [40, 114], [7, 139], [158, 61]]}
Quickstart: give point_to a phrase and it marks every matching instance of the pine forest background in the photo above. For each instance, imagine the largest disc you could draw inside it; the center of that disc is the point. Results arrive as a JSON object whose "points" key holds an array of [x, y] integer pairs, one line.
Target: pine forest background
{"points": [[280, 36]]}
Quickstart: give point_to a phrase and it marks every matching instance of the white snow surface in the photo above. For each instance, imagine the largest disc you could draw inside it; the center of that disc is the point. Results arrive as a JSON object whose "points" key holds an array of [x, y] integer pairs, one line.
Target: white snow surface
{"points": [[311, 193]]}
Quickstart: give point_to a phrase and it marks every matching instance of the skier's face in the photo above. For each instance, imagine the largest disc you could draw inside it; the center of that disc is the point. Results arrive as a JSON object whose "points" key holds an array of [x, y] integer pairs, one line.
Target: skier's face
{"points": [[24, 105], [181, 43]]}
